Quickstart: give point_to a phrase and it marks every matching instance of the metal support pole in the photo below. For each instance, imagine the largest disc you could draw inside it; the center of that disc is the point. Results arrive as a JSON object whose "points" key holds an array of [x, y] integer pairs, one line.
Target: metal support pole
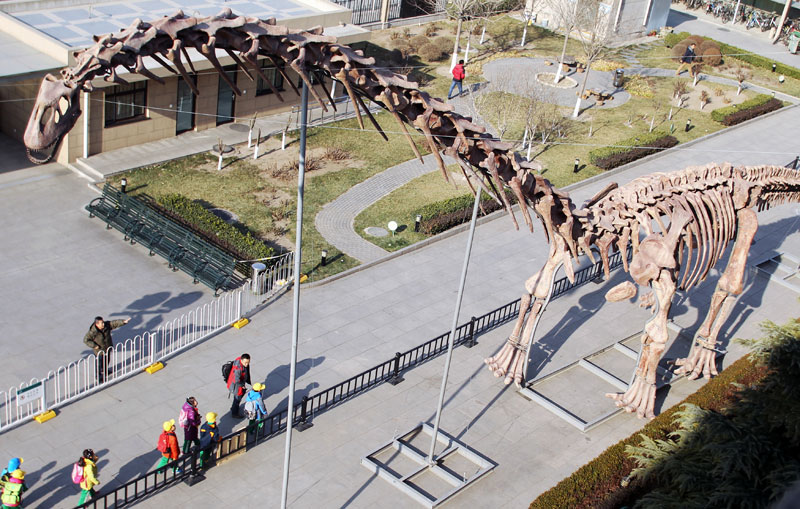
{"points": [[296, 300], [450, 340], [85, 125]]}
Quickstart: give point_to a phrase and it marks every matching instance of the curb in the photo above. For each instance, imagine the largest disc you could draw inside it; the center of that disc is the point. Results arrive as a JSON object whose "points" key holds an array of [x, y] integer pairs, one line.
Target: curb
{"points": [[498, 213]]}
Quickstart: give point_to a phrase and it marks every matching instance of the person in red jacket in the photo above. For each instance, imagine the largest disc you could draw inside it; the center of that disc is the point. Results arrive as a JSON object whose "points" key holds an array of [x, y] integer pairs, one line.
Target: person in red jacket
{"points": [[458, 77], [237, 380], [168, 445]]}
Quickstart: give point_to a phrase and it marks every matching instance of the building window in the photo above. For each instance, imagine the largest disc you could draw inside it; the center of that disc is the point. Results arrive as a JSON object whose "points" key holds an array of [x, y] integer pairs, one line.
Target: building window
{"points": [[274, 75], [125, 102]]}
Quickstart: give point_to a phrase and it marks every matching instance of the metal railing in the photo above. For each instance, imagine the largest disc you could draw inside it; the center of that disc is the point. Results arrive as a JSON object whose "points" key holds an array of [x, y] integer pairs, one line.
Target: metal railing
{"points": [[389, 371], [127, 358]]}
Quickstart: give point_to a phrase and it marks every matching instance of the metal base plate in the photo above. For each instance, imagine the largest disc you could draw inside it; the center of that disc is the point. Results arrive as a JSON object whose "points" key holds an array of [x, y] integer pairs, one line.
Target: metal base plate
{"points": [[453, 469]]}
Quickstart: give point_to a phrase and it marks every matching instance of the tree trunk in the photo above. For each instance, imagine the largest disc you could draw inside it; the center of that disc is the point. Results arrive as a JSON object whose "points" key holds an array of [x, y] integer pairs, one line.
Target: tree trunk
{"points": [[561, 60], [577, 110], [456, 46], [782, 21]]}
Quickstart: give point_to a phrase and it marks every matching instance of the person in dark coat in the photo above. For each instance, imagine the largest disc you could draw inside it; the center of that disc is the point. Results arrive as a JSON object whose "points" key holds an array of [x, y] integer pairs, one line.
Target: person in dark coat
{"points": [[99, 340], [209, 438], [238, 377], [688, 59]]}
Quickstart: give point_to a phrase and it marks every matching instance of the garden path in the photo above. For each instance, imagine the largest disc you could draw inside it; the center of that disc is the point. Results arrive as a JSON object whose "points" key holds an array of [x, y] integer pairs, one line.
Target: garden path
{"points": [[335, 220]]}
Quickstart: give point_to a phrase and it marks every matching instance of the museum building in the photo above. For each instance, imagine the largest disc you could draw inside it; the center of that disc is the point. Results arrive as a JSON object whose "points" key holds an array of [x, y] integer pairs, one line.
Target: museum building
{"points": [[40, 37]]}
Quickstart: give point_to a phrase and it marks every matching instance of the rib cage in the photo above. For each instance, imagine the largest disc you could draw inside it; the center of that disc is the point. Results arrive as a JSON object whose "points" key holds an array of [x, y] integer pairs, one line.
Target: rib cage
{"points": [[711, 195]]}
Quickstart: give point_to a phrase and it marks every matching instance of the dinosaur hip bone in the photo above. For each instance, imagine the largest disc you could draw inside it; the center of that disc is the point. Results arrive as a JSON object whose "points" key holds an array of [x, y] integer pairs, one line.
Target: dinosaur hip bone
{"points": [[623, 291], [687, 217]]}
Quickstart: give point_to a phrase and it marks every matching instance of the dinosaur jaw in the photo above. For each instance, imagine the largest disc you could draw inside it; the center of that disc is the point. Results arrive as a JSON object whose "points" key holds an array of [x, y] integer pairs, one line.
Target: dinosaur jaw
{"points": [[55, 112]]}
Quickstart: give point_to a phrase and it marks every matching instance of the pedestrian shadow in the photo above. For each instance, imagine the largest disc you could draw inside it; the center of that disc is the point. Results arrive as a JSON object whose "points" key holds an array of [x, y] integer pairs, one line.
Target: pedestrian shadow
{"points": [[58, 486], [135, 468], [278, 379]]}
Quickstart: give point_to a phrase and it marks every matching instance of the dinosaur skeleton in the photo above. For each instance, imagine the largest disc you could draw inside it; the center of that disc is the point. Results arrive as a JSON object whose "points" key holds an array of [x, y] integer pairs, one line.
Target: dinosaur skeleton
{"points": [[704, 207]]}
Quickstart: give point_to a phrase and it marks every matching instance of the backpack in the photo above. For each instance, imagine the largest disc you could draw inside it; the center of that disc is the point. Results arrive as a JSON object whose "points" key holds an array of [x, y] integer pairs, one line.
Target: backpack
{"points": [[250, 409], [163, 442], [226, 370], [183, 418], [77, 474]]}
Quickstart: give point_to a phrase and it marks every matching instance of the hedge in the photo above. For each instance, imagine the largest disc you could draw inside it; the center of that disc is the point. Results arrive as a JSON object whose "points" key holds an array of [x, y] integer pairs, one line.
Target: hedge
{"points": [[442, 215], [631, 149], [751, 108], [593, 484], [241, 245]]}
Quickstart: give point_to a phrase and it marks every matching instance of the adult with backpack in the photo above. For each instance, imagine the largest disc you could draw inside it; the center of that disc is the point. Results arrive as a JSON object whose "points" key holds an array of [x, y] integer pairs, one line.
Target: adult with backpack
{"points": [[209, 437], [238, 378], [84, 473], [458, 76], [168, 446], [189, 420], [254, 406], [13, 489]]}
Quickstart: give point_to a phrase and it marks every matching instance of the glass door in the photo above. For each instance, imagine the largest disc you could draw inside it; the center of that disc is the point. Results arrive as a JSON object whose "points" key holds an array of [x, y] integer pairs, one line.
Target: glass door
{"points": [[226, 97], [184, 117]]}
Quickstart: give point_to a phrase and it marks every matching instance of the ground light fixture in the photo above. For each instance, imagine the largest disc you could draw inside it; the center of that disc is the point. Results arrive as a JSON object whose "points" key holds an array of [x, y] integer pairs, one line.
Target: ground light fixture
{"points": [[773, 67], [781, 79], [417, 221], [392, 226], [123, 184], [688, 125], [324, 259], [575, 168]]}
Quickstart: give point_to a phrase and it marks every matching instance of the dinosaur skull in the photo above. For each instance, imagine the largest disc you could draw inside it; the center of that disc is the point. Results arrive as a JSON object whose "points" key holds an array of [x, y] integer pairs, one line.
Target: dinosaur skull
{"points": [[55, 112]]}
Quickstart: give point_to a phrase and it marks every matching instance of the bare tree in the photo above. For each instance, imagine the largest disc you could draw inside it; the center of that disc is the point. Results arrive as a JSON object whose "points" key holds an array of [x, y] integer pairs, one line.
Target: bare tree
{"points": [[566, 16], [741, 75], [544, 120], [499, 107], [593, 35]]}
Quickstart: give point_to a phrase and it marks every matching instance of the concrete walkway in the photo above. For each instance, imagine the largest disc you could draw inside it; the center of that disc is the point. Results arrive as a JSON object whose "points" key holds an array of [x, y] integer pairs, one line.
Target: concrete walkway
{"points": [[355, 322]]}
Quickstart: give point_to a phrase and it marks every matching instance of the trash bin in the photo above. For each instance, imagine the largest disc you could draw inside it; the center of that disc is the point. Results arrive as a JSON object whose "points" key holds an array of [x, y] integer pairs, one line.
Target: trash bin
{"points": [[256, 284], [619, 76], [794, 40]]}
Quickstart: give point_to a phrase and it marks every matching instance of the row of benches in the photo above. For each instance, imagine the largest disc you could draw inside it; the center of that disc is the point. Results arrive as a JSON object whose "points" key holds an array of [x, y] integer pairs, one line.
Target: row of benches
{"points": [[182, 248]]}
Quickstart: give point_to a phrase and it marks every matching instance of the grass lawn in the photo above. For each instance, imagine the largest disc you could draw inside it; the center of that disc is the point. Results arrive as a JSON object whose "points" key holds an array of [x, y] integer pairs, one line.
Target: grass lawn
{"points": [[660, 56], [267, 205]]}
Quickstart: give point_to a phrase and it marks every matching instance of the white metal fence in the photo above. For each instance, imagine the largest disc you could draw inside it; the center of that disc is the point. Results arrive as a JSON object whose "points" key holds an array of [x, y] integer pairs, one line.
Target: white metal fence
{"points": [[127, 358]]}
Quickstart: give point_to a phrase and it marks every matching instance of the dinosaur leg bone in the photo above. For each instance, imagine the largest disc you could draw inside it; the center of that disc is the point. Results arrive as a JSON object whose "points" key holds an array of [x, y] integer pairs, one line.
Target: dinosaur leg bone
{"points": [[510, 360], [703, 355], [641, 394]]}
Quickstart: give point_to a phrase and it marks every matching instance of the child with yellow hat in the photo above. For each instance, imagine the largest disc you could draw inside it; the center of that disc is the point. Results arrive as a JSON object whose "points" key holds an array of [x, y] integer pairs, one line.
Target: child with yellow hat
{"points": [[254, 407], [209, 437], [13, 489], [168, 445]]}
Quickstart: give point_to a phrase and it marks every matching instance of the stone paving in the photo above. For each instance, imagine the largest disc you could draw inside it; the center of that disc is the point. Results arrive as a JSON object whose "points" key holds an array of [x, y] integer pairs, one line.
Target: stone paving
{"points": [[353, 323], [335, 220]]}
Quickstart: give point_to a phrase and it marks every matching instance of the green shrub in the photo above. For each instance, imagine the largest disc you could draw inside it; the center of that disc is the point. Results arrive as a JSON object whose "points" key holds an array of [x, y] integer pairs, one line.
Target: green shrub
{"points": [[755, 111], [442, 215], [631, 149], [592, 483], [241, 245], [719, 114]]}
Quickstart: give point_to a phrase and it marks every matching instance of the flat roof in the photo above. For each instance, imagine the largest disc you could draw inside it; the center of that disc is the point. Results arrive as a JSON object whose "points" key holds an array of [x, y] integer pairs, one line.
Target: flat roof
{"points": [[74, 26], [20, 58]]}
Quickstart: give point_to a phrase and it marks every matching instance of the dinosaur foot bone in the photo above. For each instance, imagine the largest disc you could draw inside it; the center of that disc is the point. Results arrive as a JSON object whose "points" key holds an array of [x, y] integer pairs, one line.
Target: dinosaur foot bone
{"points": [[639, 398], [702, 359], [509, 362]]}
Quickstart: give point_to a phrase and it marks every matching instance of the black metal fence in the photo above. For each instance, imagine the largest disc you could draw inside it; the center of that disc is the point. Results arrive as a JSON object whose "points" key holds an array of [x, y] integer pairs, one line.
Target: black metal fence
{"points": [[389, 371]]}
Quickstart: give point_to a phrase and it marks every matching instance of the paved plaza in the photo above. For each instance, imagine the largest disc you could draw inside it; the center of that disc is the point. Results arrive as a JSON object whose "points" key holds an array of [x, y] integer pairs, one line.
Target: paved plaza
{"points": [[60, 268]]}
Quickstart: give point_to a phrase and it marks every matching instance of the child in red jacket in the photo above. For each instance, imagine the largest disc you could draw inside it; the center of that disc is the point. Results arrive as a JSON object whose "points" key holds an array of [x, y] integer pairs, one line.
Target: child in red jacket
{"points": [[168, 445]]}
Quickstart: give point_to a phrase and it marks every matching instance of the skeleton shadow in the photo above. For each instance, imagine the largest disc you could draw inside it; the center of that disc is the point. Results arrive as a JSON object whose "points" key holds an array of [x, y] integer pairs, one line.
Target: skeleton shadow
{"points": [[551, 341]]}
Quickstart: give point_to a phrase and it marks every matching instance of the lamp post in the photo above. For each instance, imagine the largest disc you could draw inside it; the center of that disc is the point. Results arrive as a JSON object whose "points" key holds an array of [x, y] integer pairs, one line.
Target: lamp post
{"points": [[417, 221], [123, 184], [324, 257]]}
